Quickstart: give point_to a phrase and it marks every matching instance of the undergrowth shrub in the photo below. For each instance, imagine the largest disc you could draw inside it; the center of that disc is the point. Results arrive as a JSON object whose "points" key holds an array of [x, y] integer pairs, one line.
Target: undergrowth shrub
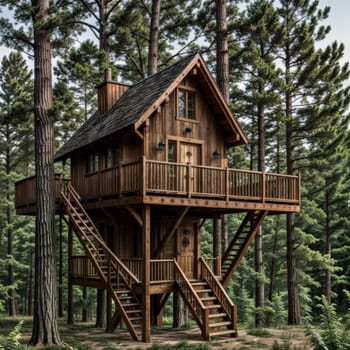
{"points": [[334, 330], [11, 341]]}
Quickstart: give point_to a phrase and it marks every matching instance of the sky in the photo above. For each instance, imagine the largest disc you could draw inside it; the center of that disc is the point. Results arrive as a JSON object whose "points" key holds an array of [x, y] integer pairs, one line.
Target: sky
{"points": [[339, 20]]}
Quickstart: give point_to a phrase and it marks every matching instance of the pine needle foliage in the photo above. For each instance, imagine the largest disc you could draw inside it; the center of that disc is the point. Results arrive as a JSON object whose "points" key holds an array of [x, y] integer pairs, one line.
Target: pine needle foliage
{"points": [[334, 332]]}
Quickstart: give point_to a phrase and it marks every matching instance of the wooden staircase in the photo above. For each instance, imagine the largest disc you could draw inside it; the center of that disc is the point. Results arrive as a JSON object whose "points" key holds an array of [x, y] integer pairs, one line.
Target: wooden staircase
{"points": [[117, 278], [240, 243], [209, 303]]}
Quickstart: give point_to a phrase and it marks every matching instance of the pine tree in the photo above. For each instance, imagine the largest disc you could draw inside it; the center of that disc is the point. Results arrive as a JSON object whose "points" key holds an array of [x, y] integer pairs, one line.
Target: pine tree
{"points": [[15, 113], [259, 34]]}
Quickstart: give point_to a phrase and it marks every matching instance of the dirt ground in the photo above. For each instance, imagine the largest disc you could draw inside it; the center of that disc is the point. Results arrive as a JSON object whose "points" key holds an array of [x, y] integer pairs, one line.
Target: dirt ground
{"points": [[291, 338]]}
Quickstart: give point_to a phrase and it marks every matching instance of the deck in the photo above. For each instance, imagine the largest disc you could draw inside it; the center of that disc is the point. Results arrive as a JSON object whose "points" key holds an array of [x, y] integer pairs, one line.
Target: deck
{"points": [[175, 184], [162, 272]]}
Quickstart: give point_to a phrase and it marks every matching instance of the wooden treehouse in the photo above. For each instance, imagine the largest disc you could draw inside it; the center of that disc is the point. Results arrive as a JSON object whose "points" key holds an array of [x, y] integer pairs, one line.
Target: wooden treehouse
{"points": [[146, 170]]}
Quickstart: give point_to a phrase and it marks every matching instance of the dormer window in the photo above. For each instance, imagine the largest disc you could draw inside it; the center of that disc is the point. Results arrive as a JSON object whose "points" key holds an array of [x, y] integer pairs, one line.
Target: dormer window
{"points": [[93, 163], [186, 104]]}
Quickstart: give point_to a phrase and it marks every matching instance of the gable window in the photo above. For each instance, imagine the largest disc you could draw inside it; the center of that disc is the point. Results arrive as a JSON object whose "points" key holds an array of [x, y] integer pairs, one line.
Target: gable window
{"points": [[112, 156], [93, 162], [186, 102]]}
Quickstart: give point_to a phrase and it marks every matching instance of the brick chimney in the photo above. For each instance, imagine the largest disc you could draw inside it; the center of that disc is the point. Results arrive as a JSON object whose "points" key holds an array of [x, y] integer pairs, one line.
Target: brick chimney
{"points": [[108, 93]]}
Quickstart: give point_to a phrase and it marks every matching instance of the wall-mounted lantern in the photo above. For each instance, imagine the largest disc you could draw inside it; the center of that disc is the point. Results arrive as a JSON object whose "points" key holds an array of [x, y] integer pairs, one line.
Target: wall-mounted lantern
{"points": [[216, 154], [161, 145], [188, 130]]}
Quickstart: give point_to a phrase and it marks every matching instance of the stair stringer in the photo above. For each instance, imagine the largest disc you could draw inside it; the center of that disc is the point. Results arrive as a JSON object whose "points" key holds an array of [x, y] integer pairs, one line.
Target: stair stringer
{"points": [[112, 271], [240, 243], [205, 315]]}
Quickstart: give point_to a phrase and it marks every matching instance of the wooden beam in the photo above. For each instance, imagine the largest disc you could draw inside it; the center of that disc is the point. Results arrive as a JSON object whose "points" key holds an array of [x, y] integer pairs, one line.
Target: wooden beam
{"points": [[146, 297], [170, 234], [137, 132], [135, 215]]}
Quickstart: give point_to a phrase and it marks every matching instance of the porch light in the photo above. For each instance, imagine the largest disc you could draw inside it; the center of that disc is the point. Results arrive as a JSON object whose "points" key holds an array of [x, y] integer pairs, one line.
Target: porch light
{"points": [[188, 130], [216, 154], [161, 145]]}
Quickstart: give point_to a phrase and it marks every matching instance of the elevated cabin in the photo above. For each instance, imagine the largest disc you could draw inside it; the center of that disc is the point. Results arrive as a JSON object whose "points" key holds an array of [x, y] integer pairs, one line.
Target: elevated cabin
{"points": [[146, 171]]}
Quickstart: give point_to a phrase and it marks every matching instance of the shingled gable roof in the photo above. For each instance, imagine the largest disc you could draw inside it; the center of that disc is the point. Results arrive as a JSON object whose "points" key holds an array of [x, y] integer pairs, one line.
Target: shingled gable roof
{"points": [[139, 102]]}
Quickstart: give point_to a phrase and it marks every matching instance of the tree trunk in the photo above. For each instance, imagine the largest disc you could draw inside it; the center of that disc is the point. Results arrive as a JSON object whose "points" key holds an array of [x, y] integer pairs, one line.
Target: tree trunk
{"points": [[222, 76], [328, 250], [153, 38], [104, 35], [100, 309], [180, 311], [30, 285], [10, 270], [45, 330], [84, 313], [293, 293], [222, 67], [60, 271], [259, 261]]}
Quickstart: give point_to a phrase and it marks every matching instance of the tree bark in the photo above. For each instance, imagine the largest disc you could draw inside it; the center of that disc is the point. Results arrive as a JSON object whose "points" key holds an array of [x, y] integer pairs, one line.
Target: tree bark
{"points": [[100, 309], [293, 293], [328, 250], [259, 261], [222, 77], [180, 311], [60, 271], [153, 38], [10, 270], [222, 64], [45, 330], [104, 35]]}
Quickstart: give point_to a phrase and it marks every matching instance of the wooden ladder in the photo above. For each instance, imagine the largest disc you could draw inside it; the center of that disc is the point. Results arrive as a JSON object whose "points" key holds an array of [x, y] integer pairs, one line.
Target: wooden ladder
{"points": [[240, 243], [117, 278], [210, 305]]}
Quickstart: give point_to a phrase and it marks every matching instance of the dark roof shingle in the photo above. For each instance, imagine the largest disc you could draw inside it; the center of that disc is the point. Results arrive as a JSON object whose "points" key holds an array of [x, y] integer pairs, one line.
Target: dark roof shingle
{"points": [[126, 111]]}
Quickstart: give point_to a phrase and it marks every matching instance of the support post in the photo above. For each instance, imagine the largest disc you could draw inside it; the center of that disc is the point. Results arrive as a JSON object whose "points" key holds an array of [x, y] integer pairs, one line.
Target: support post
{"points": [[146, 298], [70, 286]]}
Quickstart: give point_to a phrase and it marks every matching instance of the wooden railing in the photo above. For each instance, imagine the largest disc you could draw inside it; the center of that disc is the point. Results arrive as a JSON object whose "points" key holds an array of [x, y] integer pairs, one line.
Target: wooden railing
{"points": [[82, 267], [174, 179], [161, 271], [219, 291], [199, 311], [25, 191], [93, 239]]}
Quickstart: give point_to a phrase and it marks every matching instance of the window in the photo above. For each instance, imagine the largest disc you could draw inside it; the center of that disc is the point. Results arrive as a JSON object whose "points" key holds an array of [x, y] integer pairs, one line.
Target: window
{"points": [[172, 151], [186, 104], [93, 162], [112, 156]]}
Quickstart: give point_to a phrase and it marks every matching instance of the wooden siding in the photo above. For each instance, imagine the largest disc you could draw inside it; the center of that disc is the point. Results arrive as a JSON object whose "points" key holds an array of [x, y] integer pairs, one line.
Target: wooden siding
{"points": [[107, 94], [165, 125]]}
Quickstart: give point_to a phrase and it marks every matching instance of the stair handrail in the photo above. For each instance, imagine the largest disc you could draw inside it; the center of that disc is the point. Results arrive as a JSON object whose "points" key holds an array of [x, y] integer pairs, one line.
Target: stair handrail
{"points": [[74, 210], [219, 291], [131, 278], [199, 311], [233, 241]]}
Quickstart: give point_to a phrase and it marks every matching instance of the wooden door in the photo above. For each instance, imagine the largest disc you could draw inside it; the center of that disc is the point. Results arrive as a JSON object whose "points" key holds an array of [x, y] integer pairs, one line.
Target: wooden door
{"points": [[190, 153], [185, 249]]}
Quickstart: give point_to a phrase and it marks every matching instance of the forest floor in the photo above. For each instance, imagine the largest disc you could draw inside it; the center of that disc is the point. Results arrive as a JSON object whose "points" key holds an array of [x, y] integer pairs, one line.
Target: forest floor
{"points": [[83, 336]]}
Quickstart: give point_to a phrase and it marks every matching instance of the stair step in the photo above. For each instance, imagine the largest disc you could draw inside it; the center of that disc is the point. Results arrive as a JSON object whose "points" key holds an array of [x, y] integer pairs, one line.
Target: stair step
{"points": [[213, 306], [220, 324], [198, 283], [223, 332], [133, 311], [217, 315], [122, 291], [208, 299], [203, 290], [130, 304], [135, 318]]}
